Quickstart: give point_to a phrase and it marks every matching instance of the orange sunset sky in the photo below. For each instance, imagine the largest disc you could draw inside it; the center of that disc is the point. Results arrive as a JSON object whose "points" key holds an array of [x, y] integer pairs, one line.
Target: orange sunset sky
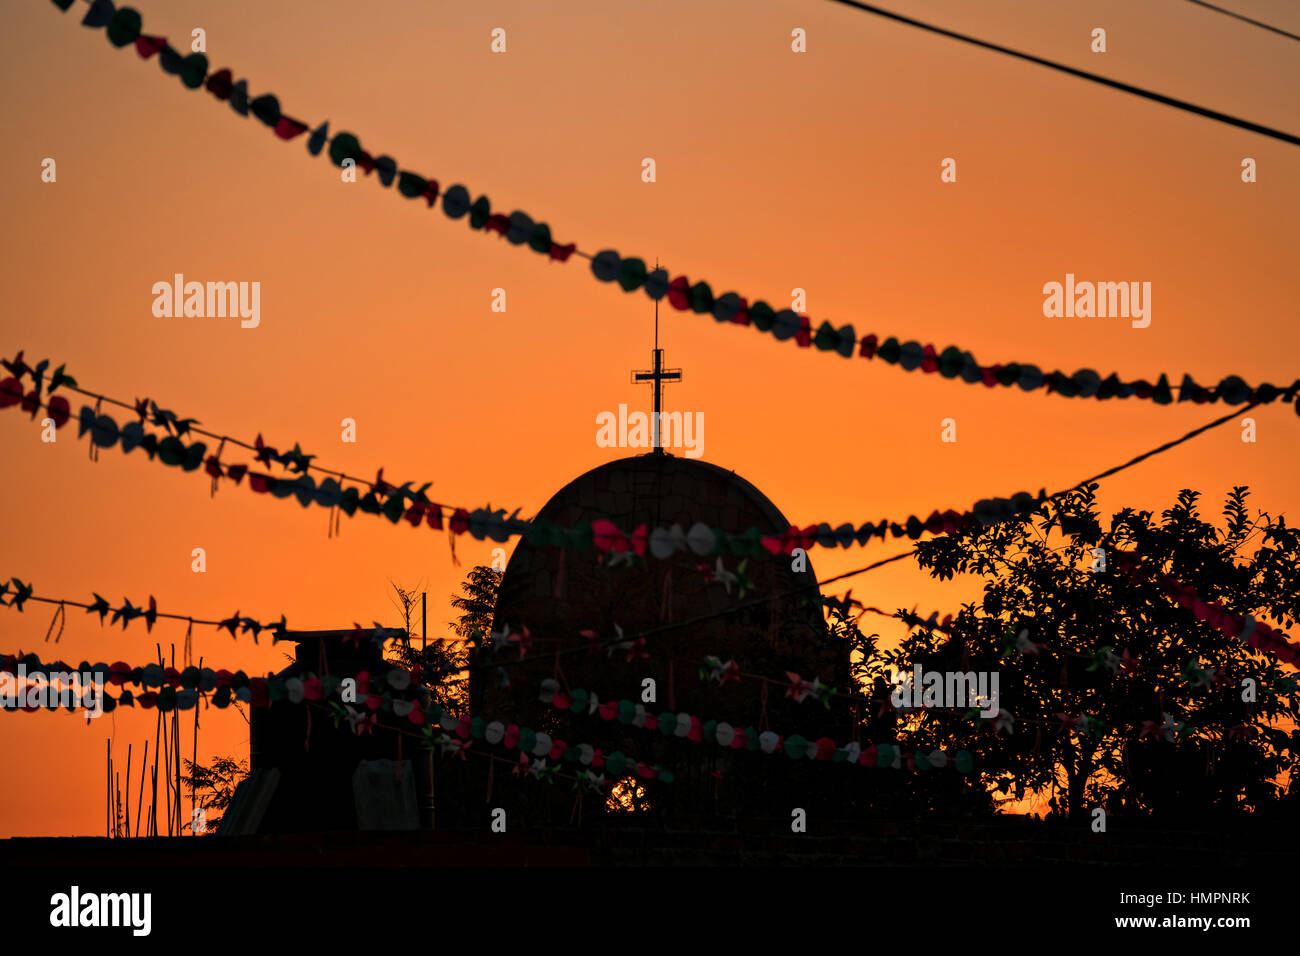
{"points": [[775, 170]]}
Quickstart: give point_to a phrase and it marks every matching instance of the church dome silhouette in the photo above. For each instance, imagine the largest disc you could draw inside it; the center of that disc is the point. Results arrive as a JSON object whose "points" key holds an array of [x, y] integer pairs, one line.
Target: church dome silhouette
{"points": [[684, 608], [657, 490]]}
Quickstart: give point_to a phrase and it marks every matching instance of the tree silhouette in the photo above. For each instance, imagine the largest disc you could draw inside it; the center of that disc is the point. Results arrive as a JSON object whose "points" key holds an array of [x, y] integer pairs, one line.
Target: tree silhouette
{"points": [[214, 785], [886, 790], [477, 600], [1191, 728], [405, 600], [443, 660]]}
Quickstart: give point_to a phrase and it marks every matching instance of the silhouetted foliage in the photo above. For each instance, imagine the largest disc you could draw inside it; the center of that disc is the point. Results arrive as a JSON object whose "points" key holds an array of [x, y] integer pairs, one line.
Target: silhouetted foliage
{"points": [[885, 790], [1229, 750], [443, 661], [214, 785], [477, 600]]}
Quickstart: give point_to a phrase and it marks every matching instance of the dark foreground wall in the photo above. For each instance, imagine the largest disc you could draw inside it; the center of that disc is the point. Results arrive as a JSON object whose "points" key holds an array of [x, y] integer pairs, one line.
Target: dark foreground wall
{"points": [[929, 882], [1012, 841]]}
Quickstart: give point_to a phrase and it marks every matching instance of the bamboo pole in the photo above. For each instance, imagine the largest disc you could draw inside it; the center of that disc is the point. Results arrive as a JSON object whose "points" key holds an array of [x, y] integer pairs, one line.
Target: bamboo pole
{"points": [[157, 752], [108, 787], [167, 773], [176, 742], [140, 798], [153, 817], [167, 755], [194, 754], [127, 818]]}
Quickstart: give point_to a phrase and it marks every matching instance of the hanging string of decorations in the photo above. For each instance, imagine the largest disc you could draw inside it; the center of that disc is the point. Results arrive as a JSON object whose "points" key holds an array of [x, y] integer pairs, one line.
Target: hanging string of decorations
{"points": [[15, 593], [697, 729], [1244, 627], [357, 700], [715, 669], [412, 505], [523, 765], [371, 496], [124, 27], [723, 734]]}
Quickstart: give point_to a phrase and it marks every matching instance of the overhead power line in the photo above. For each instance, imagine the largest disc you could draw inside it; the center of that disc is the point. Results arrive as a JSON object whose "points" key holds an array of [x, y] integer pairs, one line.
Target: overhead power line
{"points": [[1081, 74], [1238, 16]]}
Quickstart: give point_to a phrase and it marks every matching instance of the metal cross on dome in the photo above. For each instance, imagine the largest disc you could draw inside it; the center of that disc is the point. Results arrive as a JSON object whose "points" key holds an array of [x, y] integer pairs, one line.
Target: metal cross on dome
{"points": [[657, 377]]}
